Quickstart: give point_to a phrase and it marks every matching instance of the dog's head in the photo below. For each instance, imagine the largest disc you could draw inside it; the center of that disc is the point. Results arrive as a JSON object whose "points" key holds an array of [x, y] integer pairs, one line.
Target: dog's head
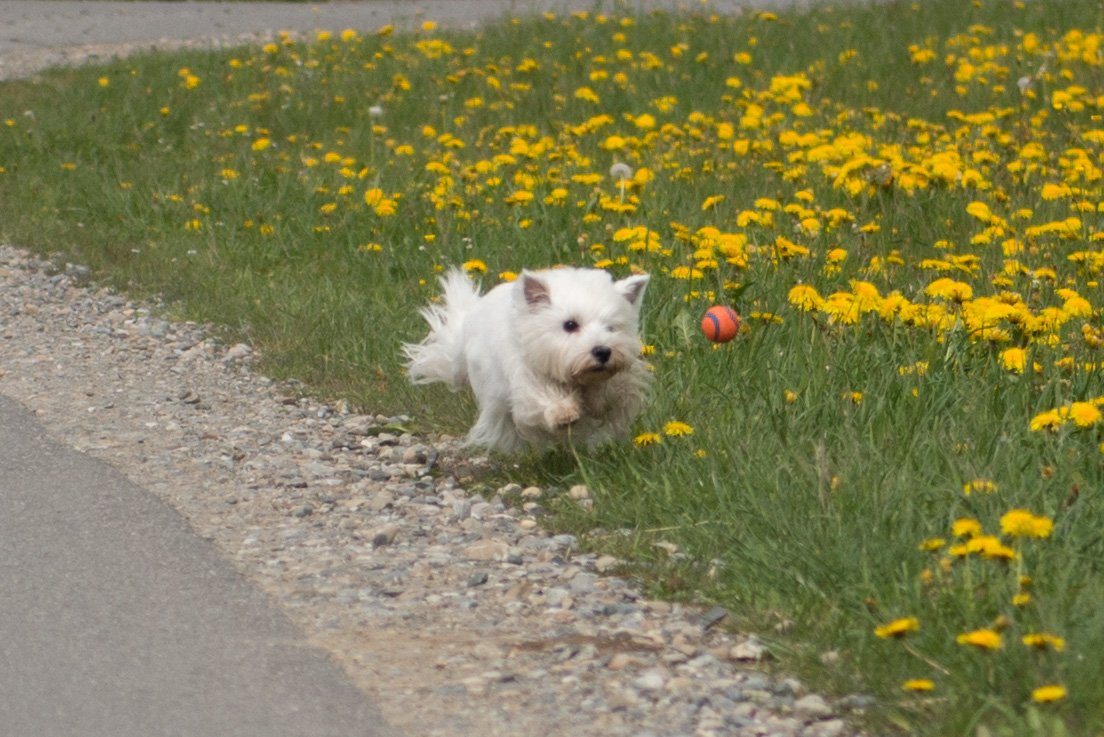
{"points": [[578, 326]]}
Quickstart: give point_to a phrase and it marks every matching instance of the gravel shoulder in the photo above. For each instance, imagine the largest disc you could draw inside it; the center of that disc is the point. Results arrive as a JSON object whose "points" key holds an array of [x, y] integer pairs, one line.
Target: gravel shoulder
{"points": [[459, 615]]}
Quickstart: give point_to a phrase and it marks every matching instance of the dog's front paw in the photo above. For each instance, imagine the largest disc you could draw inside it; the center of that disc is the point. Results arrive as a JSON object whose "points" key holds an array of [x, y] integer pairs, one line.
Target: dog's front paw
{"points": [[561, 414]]}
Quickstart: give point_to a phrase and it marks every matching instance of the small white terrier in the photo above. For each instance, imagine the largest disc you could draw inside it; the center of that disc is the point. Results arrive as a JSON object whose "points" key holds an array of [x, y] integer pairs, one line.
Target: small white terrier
{"points": [[551, 356]]}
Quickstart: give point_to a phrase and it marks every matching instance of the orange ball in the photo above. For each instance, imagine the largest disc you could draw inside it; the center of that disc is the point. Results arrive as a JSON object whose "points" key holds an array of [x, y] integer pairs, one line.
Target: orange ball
{"points": [[720, 324]]}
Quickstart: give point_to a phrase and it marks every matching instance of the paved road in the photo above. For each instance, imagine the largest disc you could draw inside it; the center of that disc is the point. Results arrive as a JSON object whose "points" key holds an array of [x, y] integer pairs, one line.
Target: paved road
{"points": [[31, 24], [116, 620]]}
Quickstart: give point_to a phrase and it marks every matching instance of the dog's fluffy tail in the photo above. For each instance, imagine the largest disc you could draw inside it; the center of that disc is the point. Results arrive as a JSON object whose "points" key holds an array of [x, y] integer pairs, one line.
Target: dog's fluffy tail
{"points": [[440, 357]]}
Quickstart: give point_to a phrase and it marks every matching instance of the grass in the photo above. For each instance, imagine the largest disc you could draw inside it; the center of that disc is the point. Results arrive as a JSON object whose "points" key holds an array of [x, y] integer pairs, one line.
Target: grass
{"points": [[911, 238]]}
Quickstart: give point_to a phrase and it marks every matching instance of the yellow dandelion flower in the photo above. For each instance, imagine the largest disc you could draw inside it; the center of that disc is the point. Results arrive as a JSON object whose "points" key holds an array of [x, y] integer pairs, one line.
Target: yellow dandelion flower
{"points": [[949, 289], [1045, 694], [785, 248], [677, 429], [1085, 414], [1077, 306], [1041, 527], [1043, 641], [1050, 420], [475, 265], [898, 627], [647, 438], [932, 544], [685, 272], [984, 485], [966, 527], [1014, 360], [1021, 599], [990, 547], [806, 298], [1022, 523], [918, 684], [982, 639]]}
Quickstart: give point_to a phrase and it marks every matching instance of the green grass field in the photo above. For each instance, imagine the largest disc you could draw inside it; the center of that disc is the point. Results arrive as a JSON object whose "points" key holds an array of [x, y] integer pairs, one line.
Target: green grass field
{"points": [[899, 460]]}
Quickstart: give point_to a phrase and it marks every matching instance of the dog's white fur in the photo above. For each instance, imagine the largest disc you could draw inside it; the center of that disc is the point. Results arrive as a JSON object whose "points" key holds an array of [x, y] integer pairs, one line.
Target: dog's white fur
{"points": [[552, 356]]}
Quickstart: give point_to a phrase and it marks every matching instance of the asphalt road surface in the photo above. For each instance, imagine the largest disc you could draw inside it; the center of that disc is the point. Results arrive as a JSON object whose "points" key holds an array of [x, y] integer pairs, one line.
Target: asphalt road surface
{"points": [[34, 24], [116, 620]]}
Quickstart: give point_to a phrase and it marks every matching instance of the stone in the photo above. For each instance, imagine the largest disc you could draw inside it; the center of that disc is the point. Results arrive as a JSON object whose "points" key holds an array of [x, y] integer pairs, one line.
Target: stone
{"points": [[620, 661], [236, 353], [578, 492], [380, 501], [750, 649], [828, 728], [486, 550], [606, 563], [385, 535], [482, 510], [559, 597], [684, 646], [812, 707], [461, 509], [650, 681], [713, 617]]}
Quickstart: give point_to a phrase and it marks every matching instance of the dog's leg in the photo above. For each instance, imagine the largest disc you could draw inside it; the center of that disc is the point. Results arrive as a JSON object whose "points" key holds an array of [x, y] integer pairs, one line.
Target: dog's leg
{"points": [[561, 412], [543, 406], [495, 428]]}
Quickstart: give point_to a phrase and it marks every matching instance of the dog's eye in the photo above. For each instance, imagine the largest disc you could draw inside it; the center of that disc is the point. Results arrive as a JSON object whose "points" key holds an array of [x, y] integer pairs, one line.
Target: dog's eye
{"points": [[570, 326]]}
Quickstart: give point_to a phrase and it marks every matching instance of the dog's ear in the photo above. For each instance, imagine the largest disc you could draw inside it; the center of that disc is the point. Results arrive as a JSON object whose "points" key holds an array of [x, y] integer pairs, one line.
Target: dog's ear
{"points": [[632, 288], [534, 290]]}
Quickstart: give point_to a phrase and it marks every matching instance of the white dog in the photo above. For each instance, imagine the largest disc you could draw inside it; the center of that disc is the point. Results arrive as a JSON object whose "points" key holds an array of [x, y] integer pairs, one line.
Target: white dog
{"points": [[550, 357]]}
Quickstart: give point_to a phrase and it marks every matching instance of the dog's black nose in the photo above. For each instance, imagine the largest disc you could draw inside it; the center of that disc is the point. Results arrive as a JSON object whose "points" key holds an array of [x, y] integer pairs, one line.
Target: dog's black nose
{"points": [[601, 353]]}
